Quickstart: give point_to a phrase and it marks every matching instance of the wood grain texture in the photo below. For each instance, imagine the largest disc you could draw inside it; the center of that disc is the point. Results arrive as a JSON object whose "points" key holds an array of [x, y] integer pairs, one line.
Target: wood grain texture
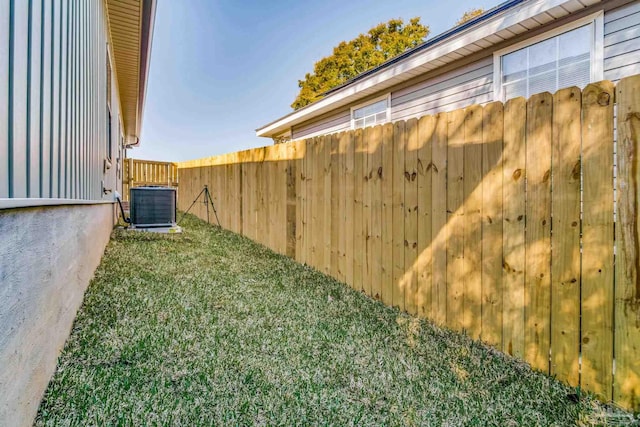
{"points": [[399, 147], [492, 288], [513, 174], [424, 266], [359, 232], [627, 292], [472, 228], [455, 220], [410, 241], [565, 239], [387, 215], [537, 339], [375, 203], [597, 239], [439, 219]]}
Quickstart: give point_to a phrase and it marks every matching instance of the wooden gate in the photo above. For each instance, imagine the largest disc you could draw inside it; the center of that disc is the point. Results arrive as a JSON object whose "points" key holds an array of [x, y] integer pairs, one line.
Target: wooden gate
{"points": [[139, 173]]}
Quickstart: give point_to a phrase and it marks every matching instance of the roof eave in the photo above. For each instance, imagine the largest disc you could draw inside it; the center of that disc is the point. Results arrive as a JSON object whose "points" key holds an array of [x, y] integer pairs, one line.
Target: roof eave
{"points": [[146, 42], [435, 48]]}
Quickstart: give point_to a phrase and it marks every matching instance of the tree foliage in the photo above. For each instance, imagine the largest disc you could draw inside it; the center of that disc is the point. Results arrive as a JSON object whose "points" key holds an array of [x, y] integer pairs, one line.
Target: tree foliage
{"points": [[380, 43], [469, 15]]}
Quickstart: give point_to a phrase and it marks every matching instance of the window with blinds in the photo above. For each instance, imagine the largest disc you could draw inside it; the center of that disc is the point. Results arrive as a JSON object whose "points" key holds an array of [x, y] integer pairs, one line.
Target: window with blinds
{"points": [[555, 63], [370, 114]]}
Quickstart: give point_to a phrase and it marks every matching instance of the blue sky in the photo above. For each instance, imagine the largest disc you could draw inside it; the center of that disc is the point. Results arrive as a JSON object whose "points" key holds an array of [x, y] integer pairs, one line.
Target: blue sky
{"points": [[222, 68]]}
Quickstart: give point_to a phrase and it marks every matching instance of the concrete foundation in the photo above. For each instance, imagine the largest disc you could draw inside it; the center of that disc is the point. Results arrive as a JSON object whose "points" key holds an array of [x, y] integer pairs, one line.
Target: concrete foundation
{"points": [[47, 257]]}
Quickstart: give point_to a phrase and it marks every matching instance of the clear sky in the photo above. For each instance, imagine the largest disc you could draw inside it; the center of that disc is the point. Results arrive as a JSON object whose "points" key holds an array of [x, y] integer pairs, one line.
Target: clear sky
{"points": [[222, 68]]}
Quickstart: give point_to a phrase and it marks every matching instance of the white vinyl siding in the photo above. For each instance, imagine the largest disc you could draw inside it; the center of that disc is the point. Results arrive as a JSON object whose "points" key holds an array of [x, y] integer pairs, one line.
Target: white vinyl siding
{"points": [[334, 122], [622, 42], [467, 85]]}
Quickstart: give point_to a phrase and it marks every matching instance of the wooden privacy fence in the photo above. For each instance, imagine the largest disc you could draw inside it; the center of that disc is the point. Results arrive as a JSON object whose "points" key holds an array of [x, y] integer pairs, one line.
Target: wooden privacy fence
{"points": [[496, 220], [148, 172]]}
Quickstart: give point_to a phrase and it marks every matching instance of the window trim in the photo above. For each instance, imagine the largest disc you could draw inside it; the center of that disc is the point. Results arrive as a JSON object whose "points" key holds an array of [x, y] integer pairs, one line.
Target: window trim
{"points": [[386, 97], [597, 48]]}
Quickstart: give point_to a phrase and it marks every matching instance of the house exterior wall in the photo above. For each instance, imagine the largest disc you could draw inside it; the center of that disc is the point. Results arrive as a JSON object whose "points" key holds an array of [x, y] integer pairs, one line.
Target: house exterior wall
{"points": [[473, 82], [54, 156], [622, 42], [53, 101], [47, 258]]}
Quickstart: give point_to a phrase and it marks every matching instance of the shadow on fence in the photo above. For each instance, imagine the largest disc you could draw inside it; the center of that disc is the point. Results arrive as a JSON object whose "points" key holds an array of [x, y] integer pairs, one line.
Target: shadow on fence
{"points": [[496, 220]]}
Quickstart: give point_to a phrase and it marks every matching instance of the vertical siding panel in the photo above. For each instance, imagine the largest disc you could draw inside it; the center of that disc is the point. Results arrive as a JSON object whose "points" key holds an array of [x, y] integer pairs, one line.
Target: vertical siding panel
{"points": [[57, 96], [46, 98], [83, 101], [61, 85], [4, 95], [18, 85], [66, 102], [33, 99]]}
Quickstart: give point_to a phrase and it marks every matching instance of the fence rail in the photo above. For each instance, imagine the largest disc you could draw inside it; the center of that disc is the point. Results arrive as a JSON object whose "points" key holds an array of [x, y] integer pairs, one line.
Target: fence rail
{"points": [[148, 172], [450, 217]]}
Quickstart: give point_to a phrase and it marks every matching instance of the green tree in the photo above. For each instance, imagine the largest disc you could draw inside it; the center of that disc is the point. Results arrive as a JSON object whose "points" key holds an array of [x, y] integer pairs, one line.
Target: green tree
{"points": [[380, 43], [469, 15]]}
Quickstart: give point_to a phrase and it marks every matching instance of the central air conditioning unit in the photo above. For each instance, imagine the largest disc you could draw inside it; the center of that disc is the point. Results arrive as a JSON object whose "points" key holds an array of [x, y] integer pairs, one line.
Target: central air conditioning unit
{"points": [[152, 207]]}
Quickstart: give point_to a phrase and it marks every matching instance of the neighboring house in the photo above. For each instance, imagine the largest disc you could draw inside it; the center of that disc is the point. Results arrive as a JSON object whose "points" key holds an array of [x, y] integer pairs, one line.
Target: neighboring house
{"points": [[72, 86], [518, 48]]}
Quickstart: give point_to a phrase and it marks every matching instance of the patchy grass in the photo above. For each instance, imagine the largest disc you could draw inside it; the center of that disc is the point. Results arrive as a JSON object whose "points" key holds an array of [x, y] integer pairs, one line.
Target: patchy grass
{"points": [[208, 327]]}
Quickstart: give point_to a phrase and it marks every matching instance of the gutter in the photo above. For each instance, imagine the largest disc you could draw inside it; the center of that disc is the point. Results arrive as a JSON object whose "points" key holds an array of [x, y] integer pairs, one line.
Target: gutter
{"points": [[430, 42]]}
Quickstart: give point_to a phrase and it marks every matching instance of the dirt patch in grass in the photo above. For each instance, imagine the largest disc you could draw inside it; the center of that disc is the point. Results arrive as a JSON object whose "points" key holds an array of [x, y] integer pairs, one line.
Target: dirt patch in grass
{"points": [[210, 328]]}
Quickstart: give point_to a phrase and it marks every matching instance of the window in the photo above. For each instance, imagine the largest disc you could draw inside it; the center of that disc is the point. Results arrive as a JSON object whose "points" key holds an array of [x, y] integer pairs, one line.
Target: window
{"points": [[373, 113], [568, 56]]}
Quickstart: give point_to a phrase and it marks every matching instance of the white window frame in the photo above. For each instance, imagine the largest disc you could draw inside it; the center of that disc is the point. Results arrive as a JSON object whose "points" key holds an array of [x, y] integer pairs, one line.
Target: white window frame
{"points": [[386, 97], [597, 48]]}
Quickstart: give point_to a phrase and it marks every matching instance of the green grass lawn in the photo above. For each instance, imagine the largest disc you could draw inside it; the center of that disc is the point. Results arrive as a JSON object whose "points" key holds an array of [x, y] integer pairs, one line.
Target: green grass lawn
{"points": [[209, 328]]}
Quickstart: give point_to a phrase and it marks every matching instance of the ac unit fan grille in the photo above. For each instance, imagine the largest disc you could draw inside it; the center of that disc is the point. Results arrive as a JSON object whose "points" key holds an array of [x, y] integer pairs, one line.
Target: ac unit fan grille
{"points": [[153, 207]]}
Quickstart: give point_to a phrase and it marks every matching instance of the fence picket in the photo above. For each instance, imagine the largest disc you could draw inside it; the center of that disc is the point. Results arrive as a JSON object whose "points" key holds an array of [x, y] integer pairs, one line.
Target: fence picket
{"points": [[538, 235], [627, 292], [565, 239], [439, 216], [597, 239]]}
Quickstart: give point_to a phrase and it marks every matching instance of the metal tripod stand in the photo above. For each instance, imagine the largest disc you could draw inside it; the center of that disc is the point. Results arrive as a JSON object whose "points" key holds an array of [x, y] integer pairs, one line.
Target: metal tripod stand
{"points": [[207, 200]]}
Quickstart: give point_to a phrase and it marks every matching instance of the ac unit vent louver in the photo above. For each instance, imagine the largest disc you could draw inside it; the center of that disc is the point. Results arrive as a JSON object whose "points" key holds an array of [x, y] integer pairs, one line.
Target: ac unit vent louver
{"points": [[153, 206]]}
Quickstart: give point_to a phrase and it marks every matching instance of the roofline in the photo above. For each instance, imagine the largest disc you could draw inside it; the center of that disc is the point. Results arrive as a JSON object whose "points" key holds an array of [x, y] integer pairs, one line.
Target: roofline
{"points": [[430, 42], [346, 90], [146, 41]]}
